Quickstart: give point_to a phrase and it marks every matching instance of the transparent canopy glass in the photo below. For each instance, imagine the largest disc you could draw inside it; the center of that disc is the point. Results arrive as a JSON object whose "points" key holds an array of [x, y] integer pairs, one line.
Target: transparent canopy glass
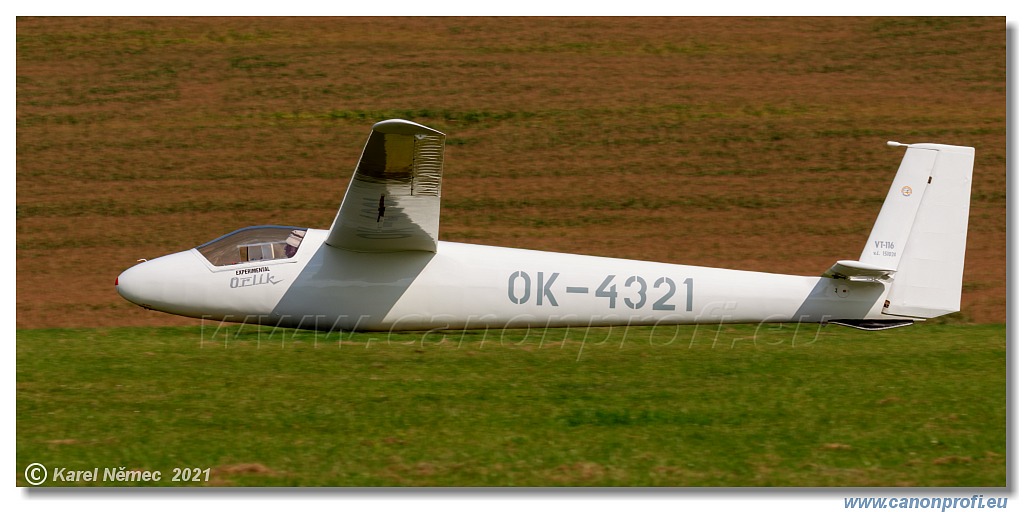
{"points": [[257, 243]]}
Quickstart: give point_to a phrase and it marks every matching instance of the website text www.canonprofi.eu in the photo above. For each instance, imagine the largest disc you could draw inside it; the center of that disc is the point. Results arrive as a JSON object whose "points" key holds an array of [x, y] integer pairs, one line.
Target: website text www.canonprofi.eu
{"points": [[975, 502]]}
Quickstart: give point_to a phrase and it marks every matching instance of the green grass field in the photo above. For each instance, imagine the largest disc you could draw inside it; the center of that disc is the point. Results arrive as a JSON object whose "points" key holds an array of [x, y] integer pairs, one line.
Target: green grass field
{"points": [[736, 406]]}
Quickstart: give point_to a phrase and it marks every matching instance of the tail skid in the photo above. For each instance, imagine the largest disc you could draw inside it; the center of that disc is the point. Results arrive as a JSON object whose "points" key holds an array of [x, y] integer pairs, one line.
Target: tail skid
{"points": [[873, 325]]}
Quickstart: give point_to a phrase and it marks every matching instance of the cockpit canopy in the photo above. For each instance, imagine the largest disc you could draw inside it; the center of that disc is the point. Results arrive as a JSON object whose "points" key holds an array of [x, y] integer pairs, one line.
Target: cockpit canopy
{"points": [[256, 243]]}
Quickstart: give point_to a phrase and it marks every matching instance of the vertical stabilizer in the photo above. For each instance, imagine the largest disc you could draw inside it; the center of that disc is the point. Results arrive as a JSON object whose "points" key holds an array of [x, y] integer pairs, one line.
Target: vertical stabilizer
{"points": [[921, 231], [889, 237]]}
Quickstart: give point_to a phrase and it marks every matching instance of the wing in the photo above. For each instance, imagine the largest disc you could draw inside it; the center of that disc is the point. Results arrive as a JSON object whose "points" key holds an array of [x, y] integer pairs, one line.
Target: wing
{"points": [[393, 202]]}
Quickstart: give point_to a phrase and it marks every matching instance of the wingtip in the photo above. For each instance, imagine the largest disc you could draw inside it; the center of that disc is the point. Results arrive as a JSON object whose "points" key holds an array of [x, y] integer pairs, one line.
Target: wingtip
{"points": [[404, 127]]}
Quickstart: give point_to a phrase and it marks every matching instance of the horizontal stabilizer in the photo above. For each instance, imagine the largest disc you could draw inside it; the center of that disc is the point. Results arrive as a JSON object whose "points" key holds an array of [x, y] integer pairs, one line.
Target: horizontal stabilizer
{"points": [[858, 271]]}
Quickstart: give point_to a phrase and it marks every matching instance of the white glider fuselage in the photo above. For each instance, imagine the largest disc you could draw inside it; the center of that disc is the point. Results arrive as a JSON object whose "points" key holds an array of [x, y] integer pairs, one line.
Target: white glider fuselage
{"points": [[381, 266], [466, 286]]}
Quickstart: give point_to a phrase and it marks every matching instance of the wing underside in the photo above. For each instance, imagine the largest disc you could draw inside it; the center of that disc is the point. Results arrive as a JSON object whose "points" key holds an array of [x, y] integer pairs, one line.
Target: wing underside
{"points": [[393, 201]]}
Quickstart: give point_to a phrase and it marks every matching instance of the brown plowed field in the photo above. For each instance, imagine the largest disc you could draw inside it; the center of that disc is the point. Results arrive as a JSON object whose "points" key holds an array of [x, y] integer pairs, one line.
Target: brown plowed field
{"points": [[744, 143]]}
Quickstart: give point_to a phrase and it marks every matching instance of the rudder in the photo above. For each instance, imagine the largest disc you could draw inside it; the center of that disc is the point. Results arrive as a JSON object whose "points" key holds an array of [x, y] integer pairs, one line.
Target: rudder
{"points": [[921, 231]]}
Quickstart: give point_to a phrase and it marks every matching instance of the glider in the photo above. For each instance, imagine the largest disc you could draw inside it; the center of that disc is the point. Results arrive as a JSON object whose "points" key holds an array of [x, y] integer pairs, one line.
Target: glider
{"points": [[381, 266]]}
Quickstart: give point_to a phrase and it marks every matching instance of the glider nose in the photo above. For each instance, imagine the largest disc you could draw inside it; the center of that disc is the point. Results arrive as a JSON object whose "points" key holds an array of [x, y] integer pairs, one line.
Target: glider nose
{"points": [[133, 283], [161, 284]]}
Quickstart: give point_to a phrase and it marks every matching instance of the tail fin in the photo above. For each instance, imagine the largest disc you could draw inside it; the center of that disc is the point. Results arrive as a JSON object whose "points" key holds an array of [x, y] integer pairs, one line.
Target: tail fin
{"points": [[921, 231]]}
